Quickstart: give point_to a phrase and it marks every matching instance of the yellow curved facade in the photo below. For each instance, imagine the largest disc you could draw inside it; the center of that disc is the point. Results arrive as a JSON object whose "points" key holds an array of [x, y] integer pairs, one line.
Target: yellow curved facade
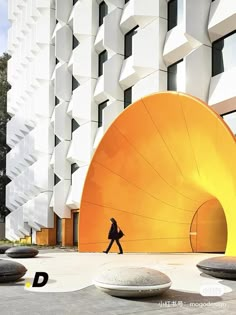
{"points": [[160, 161]]}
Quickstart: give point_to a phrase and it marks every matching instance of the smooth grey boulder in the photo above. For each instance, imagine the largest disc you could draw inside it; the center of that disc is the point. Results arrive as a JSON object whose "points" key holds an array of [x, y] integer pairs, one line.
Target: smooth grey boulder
{"points": [[128, 281], [223, 267], [3, 248], [11, 271], [21, 252]]}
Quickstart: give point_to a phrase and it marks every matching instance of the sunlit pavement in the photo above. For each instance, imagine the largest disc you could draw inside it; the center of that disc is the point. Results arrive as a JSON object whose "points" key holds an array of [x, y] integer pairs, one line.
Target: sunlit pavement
{"points": [[70, 287]]}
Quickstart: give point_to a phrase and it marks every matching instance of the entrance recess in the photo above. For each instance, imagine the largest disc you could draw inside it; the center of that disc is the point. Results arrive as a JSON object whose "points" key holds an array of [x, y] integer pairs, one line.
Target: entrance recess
{"points": [[209, 229], [75, 228], [58, 230], [160, 161]]}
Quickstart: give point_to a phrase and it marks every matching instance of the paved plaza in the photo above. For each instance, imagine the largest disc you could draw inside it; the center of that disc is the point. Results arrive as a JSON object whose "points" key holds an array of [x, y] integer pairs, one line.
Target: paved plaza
{"points": [[70, 288]]}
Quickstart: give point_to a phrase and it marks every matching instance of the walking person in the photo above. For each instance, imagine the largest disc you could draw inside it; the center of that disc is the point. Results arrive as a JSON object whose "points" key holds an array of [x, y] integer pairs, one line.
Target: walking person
{"points": [[114, 235]]}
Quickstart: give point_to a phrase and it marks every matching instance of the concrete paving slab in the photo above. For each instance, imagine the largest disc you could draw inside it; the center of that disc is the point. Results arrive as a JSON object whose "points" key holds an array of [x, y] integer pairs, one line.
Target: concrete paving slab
{"points": [[75, 271], [69, 267]]}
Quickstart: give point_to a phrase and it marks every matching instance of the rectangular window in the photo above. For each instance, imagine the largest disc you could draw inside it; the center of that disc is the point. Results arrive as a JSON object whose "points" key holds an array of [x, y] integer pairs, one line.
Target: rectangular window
{"points": [[75, 83], [223, 54], [57, 140], [172, 14], [174, 77], [74, 167], [58, 230], [100, 110], [128, 48], [56, 101], [230, 119], [75, 228], [103, 9], [127, 97], [102, 57], [56, 179], [74, 125], [75, 42]]}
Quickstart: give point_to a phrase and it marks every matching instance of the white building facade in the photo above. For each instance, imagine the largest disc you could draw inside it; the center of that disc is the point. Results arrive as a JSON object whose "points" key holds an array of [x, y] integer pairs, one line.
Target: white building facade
{"points": [[75, 66]]}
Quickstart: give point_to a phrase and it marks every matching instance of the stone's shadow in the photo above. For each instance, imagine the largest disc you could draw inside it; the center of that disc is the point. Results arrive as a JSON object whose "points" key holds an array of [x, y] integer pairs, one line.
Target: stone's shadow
{"points": [[31, 280], [14, 258], [226, 282], [174, 297], [39, 256], [51, 281], [36, 257], [19, 282], [204, 275]]}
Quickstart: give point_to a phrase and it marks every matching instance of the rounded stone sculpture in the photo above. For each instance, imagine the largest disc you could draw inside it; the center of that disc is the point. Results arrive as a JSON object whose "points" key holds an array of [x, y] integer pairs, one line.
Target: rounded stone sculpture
{"points": [[223, 267], [3, 248], [11, 271], [21, 252], [130, 281]]}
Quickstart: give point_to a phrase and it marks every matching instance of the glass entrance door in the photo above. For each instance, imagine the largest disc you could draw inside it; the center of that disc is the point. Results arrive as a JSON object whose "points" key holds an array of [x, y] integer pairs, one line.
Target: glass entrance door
{"points": [[59, 231], [75, 228]]}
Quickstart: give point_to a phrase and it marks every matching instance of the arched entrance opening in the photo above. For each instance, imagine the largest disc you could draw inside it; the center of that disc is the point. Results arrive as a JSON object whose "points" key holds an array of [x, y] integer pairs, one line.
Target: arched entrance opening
{"points": [[208, 231]]}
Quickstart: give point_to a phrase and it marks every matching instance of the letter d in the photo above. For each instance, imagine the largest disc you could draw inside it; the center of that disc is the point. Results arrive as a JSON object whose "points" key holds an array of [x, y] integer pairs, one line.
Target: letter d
{"points": [[36, 282]]}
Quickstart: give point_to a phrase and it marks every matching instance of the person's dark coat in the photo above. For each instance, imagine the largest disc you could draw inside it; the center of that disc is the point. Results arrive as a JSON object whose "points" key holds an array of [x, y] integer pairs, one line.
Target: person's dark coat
{"points": [[113, 233]]}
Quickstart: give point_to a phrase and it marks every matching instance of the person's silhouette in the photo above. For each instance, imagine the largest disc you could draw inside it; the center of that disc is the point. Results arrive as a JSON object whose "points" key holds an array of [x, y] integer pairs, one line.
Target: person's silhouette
{"points": [[113, 236]]}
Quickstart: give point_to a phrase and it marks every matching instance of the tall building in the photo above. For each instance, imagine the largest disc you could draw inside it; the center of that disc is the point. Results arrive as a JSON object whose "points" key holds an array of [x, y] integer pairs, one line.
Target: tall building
{"points": [[75, 66]]}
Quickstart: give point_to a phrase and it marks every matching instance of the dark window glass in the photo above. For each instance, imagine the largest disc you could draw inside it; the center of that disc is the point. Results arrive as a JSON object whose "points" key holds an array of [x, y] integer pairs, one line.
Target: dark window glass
{"points": [[223, 54], [75, 228], [230, 119], [228, 113], [128, 42], [217, 57], [100, 109], [103, 9], [74, 125], [57, 141], [56, 179], [172, 14], [56, 21], [75, 42], [171, 78], [74, 167], [56, 101], [126, 1], [57, 61], [58, 230], [75, 83], [102, 57], [172, 72], [127, 97], [74, 2]]}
